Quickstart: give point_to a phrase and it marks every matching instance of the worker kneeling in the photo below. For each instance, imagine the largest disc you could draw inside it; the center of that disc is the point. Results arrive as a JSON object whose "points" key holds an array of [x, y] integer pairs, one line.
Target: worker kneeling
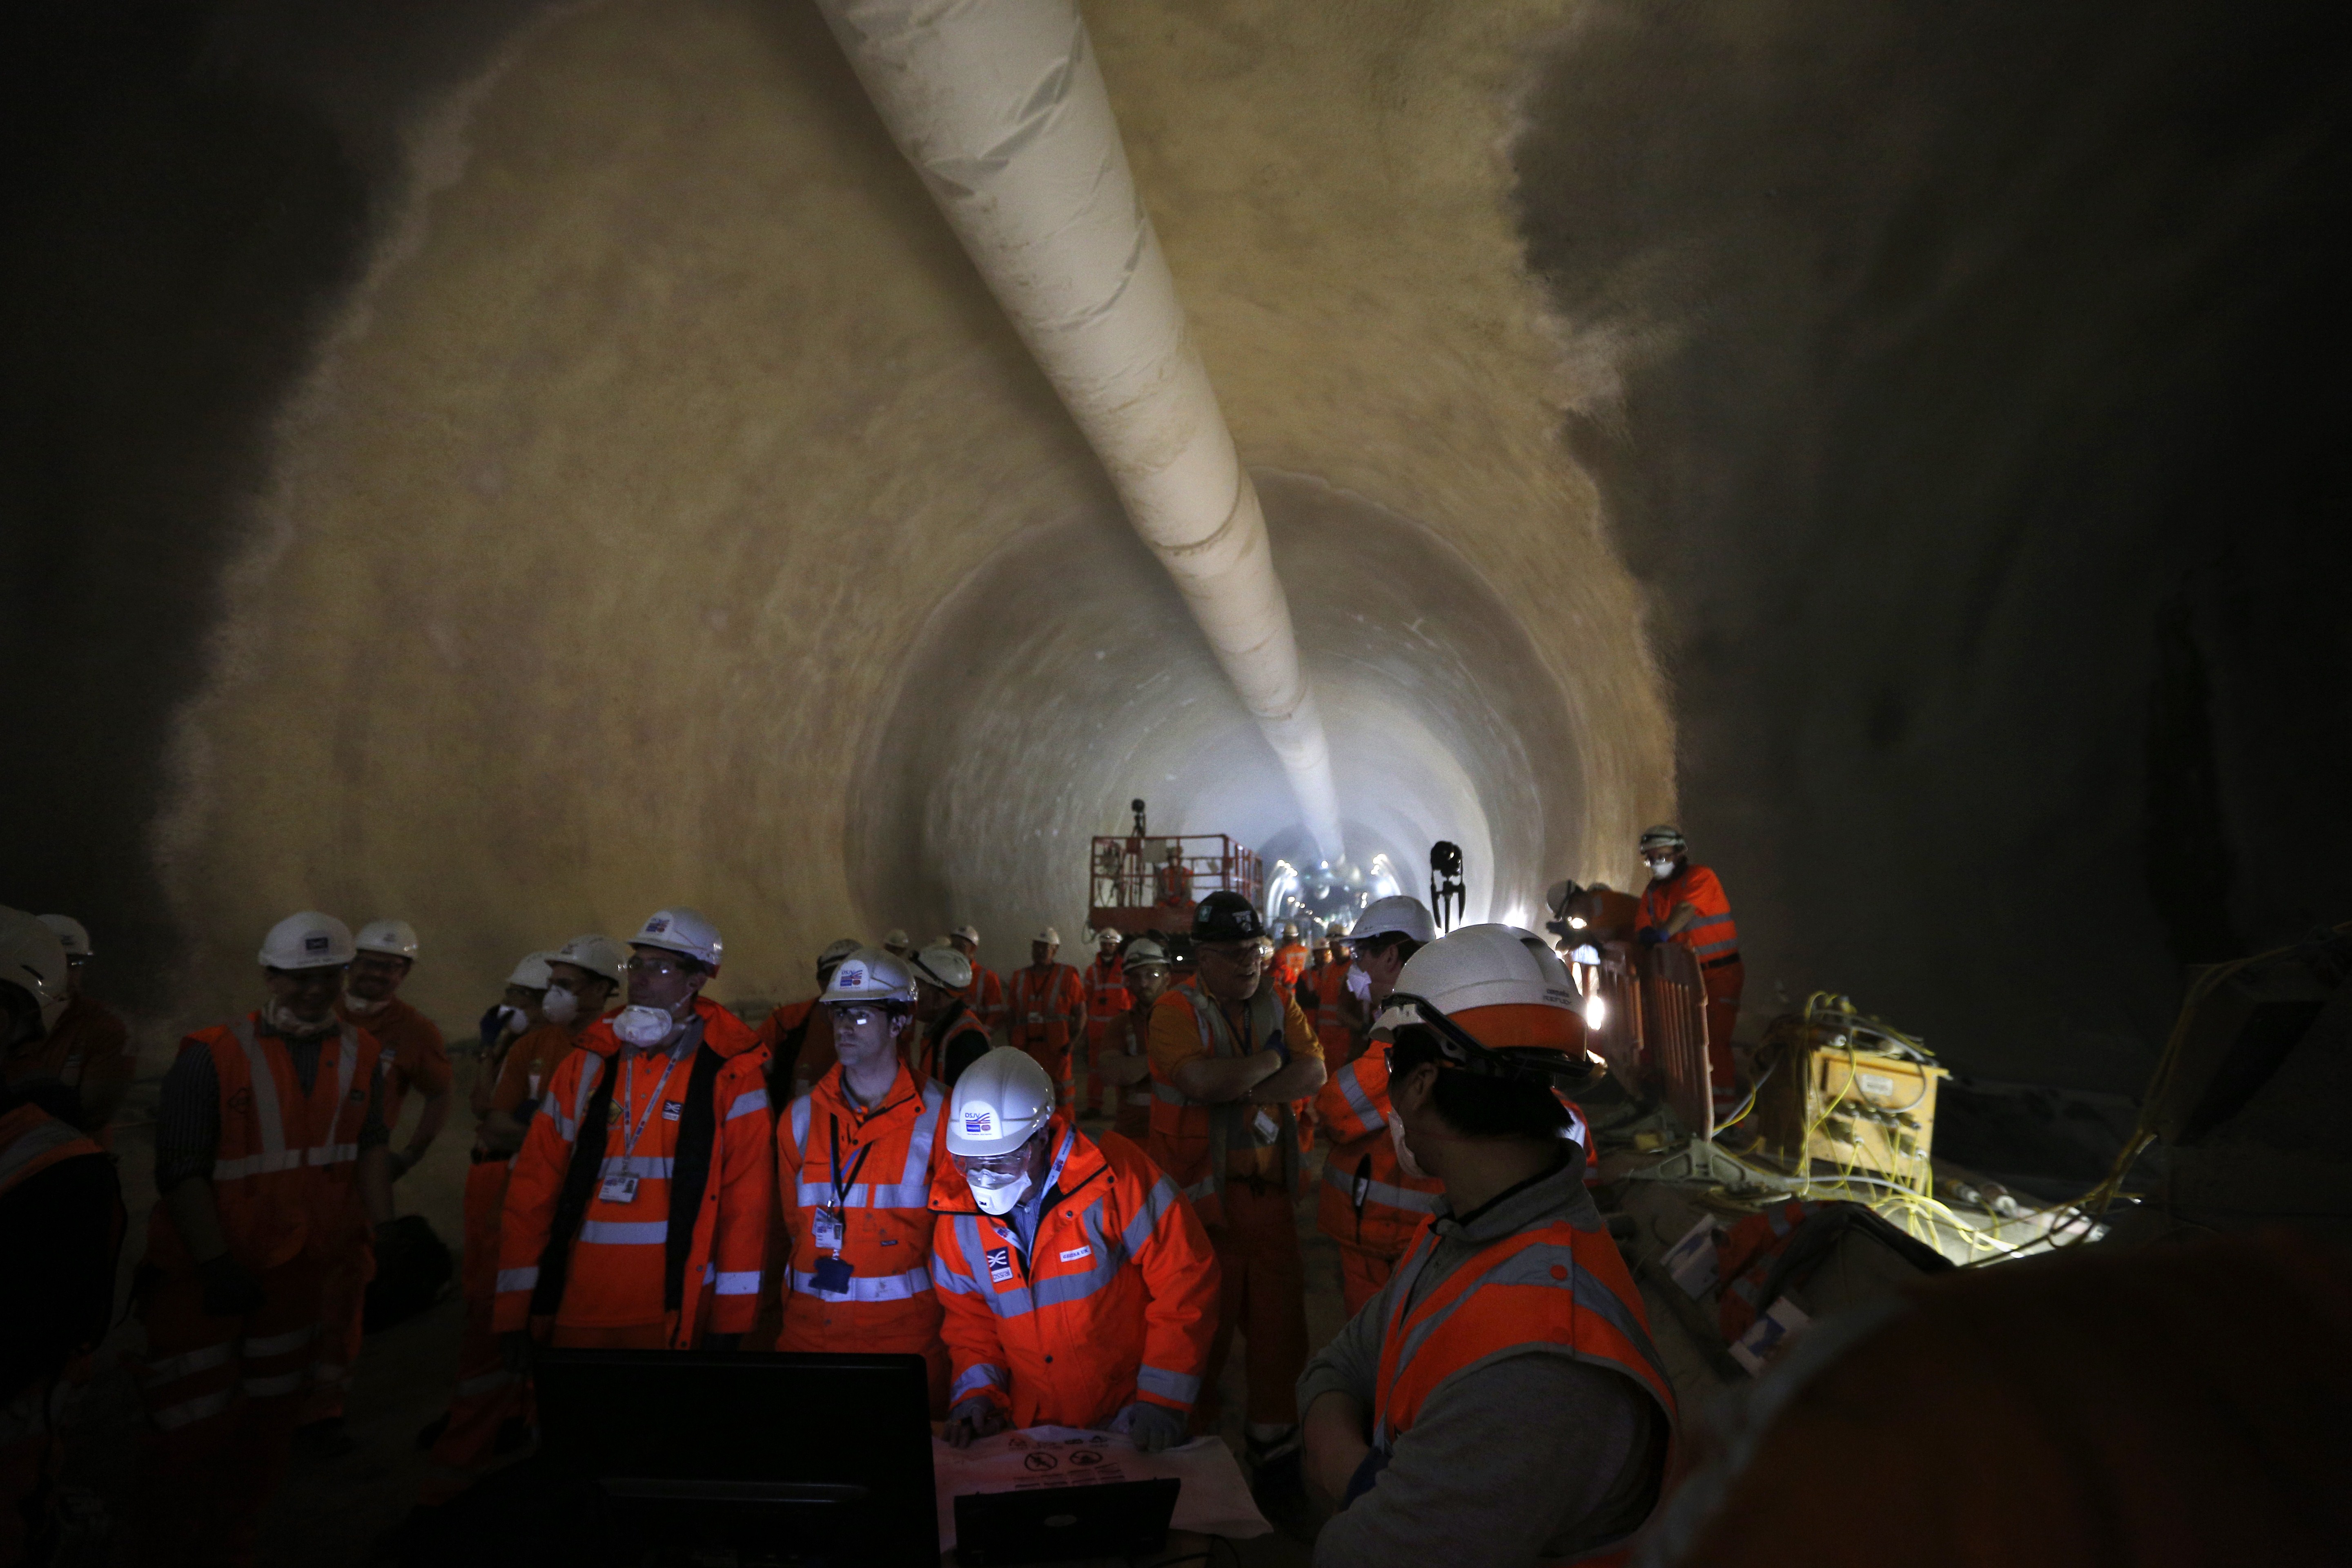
{"points": [[854, 1168], [1078, 1287], [1499, 1400]]}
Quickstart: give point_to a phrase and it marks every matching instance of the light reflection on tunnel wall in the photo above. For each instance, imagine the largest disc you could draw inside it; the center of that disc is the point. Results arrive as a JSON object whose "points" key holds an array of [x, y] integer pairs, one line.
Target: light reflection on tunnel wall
{"points": [[1063, 678]]}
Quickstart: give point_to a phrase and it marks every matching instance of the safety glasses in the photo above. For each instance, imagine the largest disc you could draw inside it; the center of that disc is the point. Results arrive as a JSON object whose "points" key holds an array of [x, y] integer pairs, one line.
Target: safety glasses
{"points": [[1011, 1165]]}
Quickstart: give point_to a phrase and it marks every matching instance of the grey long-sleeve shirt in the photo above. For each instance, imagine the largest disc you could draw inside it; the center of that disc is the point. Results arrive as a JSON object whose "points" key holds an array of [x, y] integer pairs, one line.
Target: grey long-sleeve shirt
{"points": [[1531, 1454]]}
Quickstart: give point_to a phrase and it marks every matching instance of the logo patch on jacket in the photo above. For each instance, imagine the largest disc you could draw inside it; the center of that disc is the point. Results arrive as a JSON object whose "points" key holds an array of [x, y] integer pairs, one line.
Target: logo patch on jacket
{"points": [[358, 1094], [673, 1110], [1077, 1252], [1000, 1264]]}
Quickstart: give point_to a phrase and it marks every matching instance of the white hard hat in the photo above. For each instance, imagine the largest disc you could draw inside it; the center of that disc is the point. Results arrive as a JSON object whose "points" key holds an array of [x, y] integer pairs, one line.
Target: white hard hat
{"points": [[897, 937], [32, 958], [1107, 937], [834, 951], [1144, 951], [1402, 915], [870, 974], [71, 934], [532, 974], [1337, 930], [308, 941], [967, 933], [943, 966], [396, 938], [1290, 930], [1500, 1001], [1666, 834], [597, 955], [1000, 1100], [681, 929], [1049, 936]]}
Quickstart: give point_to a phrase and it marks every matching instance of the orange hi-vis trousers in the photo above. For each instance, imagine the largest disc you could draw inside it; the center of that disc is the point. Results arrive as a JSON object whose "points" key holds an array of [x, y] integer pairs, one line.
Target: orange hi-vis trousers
{"points": [[223, 1395], [1265, 1297]]}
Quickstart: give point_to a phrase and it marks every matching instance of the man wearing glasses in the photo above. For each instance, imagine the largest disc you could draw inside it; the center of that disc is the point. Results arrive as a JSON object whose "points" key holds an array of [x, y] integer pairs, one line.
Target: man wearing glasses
{"points": [[855, 1159], [1230, 1052], [659, 1120]]}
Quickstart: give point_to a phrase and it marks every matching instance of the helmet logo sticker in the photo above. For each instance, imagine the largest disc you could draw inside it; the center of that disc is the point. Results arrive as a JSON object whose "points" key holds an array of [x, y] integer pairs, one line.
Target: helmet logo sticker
{"points": [[658, 925], [316, 944], [850, 975], [979, 1122]]}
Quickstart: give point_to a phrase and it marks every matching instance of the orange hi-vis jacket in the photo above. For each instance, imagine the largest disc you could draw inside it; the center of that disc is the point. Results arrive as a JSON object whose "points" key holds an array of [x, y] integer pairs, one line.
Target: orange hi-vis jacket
{"points": [[1038, 1008], [984, 996], [287, 1164], [1552, 1284], [1290, 962], [1107, 997], [801, 1032], [1712, 938], [1368, 1200], [1115, 1303], [656, 1239], [414, 1055], [879, 1194]]}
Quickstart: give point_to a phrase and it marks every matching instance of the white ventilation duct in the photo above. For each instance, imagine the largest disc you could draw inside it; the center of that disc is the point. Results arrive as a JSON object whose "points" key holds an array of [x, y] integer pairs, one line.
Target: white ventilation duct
{"points": [[1000, 105]]}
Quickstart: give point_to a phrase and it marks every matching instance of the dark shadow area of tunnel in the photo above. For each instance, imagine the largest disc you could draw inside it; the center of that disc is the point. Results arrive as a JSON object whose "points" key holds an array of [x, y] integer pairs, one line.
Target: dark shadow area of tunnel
{"points": [[175, 232], [1066, 676], [1956, 345]]}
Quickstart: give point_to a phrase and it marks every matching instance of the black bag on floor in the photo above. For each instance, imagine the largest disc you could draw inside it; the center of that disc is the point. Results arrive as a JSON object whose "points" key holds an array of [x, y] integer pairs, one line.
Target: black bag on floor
{"points": [[413, 1267]]}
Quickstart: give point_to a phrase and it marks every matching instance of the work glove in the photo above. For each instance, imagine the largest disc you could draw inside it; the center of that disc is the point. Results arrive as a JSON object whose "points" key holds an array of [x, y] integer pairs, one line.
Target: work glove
{"points": [[975, 1418], [1150, 1426], [1649, 936], [230, 1289]]}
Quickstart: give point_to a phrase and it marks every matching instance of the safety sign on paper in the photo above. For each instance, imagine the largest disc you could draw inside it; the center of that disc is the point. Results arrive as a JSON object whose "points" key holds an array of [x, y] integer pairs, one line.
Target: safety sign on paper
{"points": [[1214, 1498]]}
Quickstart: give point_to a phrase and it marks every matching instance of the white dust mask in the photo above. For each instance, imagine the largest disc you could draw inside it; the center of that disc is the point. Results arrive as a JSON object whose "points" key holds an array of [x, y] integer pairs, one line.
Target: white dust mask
{"points": [[1002, 1195], [1662, 867], [1404, 1155], [643, 1027], [559, 1005]]}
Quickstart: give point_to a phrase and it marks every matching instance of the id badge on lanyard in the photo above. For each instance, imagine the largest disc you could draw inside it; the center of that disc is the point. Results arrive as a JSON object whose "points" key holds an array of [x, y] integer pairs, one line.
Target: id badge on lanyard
{"points": [[621, 1187], [831, 1227]]}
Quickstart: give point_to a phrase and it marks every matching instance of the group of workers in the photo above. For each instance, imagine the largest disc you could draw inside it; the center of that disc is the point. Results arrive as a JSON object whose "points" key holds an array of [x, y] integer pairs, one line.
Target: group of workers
{"points": [[898, 1164]]}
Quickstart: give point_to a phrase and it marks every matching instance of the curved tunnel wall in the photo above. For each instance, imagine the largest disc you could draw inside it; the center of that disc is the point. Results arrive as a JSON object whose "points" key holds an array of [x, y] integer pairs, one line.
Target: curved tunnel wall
{"points": [[671, 516]]}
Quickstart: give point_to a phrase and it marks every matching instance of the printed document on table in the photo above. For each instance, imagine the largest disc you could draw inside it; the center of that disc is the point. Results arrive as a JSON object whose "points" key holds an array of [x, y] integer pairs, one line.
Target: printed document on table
{"points": [[1214, 1499]]}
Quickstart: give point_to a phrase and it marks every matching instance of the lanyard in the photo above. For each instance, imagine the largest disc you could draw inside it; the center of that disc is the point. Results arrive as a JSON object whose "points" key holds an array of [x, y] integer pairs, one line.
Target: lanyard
{"points": [[629, 1093], [841, 1186]]}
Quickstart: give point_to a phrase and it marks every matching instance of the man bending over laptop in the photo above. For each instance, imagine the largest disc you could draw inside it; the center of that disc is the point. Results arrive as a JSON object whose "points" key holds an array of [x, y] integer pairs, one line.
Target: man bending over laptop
{"points": [[1079, 1287]]}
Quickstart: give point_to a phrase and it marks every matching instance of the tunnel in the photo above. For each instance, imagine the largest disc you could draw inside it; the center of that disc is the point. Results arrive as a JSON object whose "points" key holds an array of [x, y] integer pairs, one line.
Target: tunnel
{"points": [[518, 466]]}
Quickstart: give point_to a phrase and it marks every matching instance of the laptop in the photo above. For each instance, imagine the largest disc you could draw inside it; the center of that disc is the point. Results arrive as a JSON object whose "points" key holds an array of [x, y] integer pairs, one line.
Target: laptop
{"points": [[789, 1458], [1059, 1524]]}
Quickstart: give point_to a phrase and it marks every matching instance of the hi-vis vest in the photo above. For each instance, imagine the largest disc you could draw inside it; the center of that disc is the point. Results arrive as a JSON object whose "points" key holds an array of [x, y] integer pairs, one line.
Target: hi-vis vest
{"points": [[283, 1169], [1556, 1284], [1190, 1138], [1713, 938], [885, 1214]]}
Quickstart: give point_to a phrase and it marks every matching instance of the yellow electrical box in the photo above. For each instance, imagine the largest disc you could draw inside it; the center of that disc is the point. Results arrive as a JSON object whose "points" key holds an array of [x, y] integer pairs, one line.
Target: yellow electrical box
{"points": [[1835, 1105]]}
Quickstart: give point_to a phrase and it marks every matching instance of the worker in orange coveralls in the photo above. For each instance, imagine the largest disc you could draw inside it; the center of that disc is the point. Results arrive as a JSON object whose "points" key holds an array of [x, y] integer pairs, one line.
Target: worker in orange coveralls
{"points": [[265, 1127], [1078, 1288], [986, 995], [1229, 1055], [1685, 904], [660, 1119], [88, 1050], [1107, 1001], [1045, 1010]]}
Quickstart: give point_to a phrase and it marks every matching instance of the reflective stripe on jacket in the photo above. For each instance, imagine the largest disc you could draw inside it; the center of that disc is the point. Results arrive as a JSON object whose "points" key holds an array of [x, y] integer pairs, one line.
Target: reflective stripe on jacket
{"points": [[285, 1169], [1116, 1302], [1328, 982], [1712, 936], [1368, 1201], [1558, 1284], [618, 1259], [1290, 962], [885, 1213], [985, 996]]}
